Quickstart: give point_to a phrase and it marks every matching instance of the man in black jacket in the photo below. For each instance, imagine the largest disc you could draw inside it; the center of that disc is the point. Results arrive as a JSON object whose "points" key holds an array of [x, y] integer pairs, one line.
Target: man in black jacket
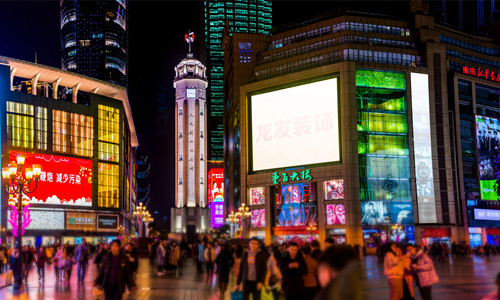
{"points": [[293, 267], [253, 270], [115, 273]]}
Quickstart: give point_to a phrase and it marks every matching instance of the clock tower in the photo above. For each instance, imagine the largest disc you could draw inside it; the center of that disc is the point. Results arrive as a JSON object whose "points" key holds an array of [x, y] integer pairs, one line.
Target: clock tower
{"points": [[190, 214]]}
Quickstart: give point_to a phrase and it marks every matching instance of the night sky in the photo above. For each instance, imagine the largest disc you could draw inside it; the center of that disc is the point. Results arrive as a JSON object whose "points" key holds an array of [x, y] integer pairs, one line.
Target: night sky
{"points": [[156, 45]]}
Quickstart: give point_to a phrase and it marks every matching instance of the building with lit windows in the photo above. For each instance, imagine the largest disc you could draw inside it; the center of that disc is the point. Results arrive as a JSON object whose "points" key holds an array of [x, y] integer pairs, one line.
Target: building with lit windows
{"points": [[94, 39], [373, 128], [85, 143], [247, 16]]}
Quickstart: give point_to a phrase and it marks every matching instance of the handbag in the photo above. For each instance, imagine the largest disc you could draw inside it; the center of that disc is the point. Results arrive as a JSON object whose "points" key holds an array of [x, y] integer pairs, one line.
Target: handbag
{"points": [[97, 292], [236, 295]]}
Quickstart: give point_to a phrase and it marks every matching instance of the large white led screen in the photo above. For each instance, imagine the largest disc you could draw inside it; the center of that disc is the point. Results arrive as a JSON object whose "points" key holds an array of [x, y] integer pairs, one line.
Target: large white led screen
{"points": [[295, 126]]}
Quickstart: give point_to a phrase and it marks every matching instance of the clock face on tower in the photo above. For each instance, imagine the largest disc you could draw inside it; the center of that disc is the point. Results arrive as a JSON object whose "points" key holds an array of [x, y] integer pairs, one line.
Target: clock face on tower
{"points": [[191, 93]]}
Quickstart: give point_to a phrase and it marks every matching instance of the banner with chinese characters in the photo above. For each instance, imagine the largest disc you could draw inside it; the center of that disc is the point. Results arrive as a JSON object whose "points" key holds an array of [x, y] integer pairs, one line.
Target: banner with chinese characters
{"points": [[64, 180], [481, 73], [298, 175], [80, 221], [217, 213]]}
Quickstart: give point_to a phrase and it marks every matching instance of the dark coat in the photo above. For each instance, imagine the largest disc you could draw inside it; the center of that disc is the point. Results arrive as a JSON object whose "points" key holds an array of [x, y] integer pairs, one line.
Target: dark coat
{"points": [[224, 262], [125, 276], [41, 258], [293, 282], [260, 267]]}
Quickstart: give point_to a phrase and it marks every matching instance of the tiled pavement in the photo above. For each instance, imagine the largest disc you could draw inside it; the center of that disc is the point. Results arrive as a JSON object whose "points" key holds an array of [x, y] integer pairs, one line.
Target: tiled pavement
{"points": [[462, 279]]}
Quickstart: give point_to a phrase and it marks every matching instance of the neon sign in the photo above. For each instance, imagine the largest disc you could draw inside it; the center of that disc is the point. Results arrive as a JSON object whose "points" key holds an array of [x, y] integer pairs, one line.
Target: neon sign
{"points": [[304, 175], [481, 73]]}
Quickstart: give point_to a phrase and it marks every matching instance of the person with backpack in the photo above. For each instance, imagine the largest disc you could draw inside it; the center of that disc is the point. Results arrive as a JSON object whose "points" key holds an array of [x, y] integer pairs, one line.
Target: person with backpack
{"points": [[82, 259]]}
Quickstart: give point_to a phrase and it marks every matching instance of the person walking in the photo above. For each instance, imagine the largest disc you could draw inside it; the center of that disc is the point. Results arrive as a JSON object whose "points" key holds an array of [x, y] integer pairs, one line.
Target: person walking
{"points": [[160, 260], [426, 274], [224, 263], [394, 271], [133, 256], [15, 261], [41, 259], [209, 260], [3, 259], [175, 255], [310, 282], [238, 253], [68, 267], [253, 269], [316, 250], [115, 274], [293, 267], [28, 260], [273, 276], [82, 259], [201, 256]]}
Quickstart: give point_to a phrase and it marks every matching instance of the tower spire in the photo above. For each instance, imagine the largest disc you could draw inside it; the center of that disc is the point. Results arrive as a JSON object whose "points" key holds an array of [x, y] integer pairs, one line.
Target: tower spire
{"points": [[189, 37]]}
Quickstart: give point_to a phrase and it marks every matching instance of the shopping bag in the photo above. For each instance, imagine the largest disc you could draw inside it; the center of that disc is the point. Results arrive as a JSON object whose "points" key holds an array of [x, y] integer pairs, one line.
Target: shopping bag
{"points": [[236, 295]]}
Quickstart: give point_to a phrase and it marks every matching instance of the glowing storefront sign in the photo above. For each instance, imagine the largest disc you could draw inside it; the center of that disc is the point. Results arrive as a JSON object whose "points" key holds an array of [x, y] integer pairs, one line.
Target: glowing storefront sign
{"points": [[64, 180], [481, 73], [295, 176], [422, 148], [487, 214]]}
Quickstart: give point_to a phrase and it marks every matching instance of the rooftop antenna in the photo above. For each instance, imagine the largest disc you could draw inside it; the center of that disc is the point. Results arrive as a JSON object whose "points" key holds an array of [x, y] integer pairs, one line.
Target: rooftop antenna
{"points": [[189, 37]]}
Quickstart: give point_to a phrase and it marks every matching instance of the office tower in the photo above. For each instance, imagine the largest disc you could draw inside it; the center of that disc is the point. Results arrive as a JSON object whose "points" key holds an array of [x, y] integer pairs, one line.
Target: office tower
{"points": [[94, 39], [247, 16]]}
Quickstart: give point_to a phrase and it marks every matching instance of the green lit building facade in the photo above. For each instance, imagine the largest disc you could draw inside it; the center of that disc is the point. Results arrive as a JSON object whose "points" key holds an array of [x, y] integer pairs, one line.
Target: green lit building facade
{"points": [[246, 16]]}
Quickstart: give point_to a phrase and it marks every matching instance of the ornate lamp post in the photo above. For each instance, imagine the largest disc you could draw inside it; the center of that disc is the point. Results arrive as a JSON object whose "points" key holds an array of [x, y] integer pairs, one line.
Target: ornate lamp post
{"points": [[311, 228], [243, 213], [147, 219], [120, 230], [15, 182], [140, 212], [232, 219]]}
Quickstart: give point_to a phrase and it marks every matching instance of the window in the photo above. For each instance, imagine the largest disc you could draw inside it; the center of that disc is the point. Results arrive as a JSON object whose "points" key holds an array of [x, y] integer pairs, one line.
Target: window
{"points": [[108, 185], [73, 133], [20, 125], [110, 152], [109, 133], [41, 128], [109, 128]]}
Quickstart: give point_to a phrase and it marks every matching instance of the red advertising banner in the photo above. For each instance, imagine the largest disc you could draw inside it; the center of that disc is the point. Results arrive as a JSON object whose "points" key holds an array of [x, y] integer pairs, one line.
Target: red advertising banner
{"points": [[215, 185], [493, 231], [435, 232], [64, 180]]}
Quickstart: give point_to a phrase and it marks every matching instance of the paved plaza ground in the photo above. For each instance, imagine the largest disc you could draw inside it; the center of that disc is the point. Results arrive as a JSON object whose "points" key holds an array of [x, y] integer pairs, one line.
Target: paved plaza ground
{"points": [[461, 279]]}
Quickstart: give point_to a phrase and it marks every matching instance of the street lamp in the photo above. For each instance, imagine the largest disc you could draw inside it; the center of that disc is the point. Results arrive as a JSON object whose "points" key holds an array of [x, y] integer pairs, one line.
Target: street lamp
{"points": [[232, 219], [147, 219], [16, 183], [140, 213], [243, 213], [311, 228]]}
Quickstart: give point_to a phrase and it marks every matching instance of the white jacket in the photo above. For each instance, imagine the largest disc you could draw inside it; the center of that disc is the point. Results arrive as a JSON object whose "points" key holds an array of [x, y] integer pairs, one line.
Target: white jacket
{"points": [[393, 267]]}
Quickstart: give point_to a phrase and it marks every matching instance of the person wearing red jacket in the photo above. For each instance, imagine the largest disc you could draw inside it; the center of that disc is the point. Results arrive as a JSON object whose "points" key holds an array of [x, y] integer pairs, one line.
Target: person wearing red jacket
{"points": [[41, 259]]}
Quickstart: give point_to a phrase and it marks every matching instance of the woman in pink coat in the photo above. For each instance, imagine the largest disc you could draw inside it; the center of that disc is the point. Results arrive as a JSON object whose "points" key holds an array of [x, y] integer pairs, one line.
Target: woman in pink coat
{"points": [[426, 274]]}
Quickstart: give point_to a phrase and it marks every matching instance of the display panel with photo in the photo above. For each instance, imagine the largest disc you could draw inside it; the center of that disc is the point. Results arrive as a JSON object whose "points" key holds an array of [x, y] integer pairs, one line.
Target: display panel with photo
{"points": [[257, 196], [488, 141], [375, 213], [258, 218], [334, 189], [295, 205], [335, 214]]}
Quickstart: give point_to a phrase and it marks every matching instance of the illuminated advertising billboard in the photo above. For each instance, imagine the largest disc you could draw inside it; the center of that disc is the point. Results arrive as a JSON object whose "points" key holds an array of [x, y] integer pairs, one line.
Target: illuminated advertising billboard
{"points": [[295, 126], [334, 189], [257, 196], [215, 186], [217, 213], [64, 180], [335, 214], [487, 142], [386, 213], [107, 222], [295, 205], [423, 148], [44, 220], [258, 218]]}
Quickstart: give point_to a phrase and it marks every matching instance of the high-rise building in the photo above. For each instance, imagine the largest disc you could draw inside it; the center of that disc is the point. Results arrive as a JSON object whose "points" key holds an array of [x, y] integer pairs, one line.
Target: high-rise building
{"points": [[246, 16], [190, 214], [94, 39]]}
